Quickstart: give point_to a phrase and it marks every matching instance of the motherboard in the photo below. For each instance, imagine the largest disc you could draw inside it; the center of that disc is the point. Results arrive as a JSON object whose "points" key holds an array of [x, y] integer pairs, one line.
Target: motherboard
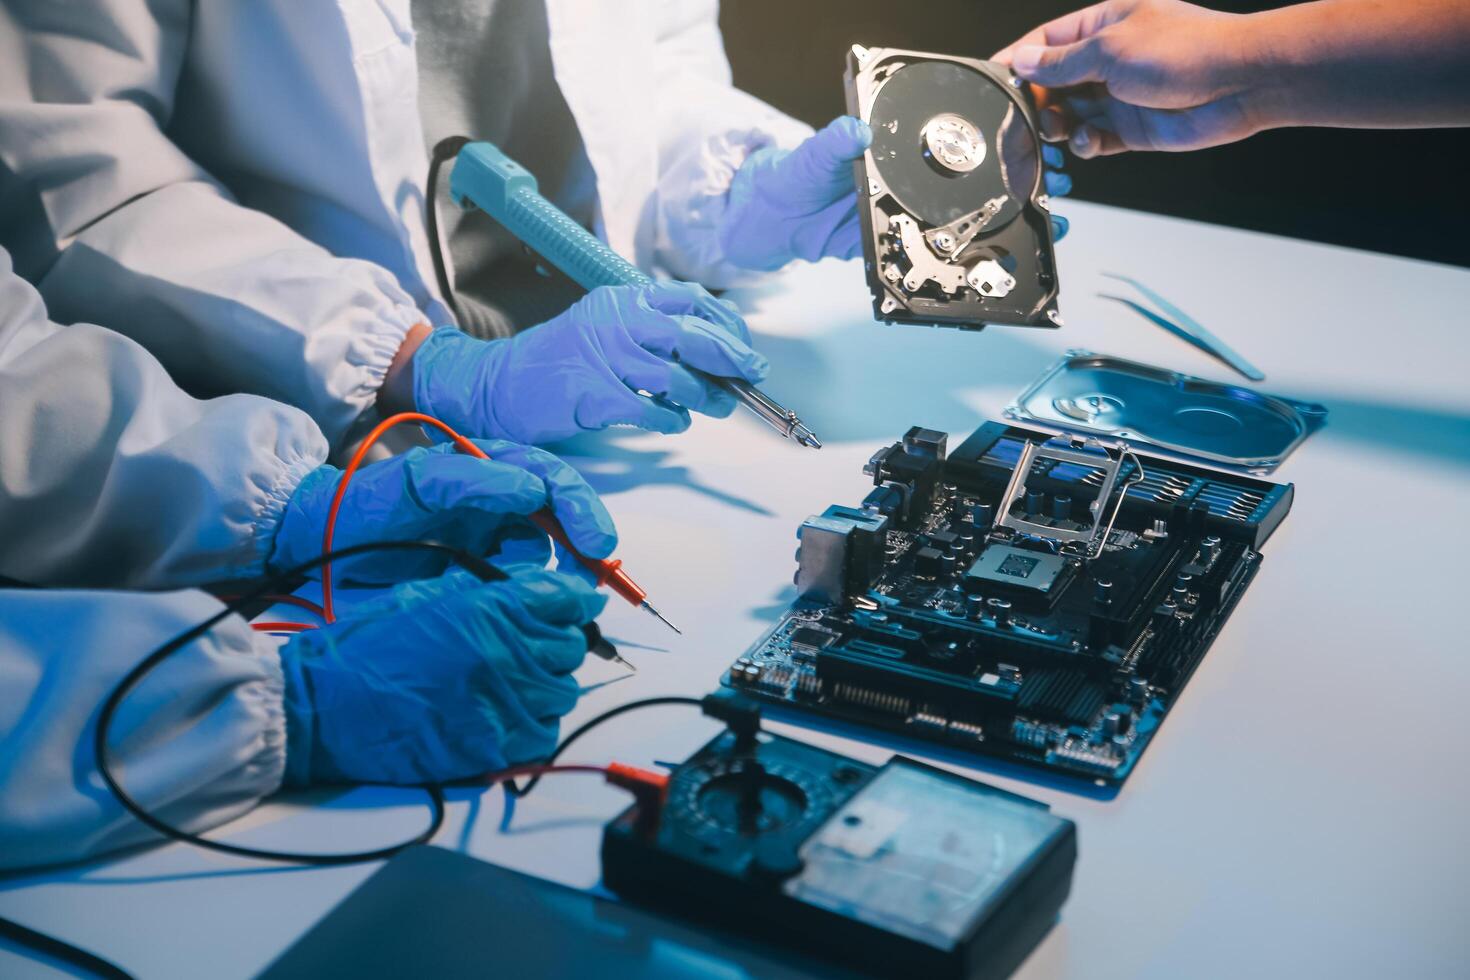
{"points": [[1036, 598]]}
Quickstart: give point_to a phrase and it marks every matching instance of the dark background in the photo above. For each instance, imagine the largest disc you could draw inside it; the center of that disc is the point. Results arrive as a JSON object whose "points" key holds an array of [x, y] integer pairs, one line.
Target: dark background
{"points": [[1401, 191]]}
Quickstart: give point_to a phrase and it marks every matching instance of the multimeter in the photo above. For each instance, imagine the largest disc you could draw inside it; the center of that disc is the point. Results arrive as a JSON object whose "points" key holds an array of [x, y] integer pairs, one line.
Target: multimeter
{"points": [[902, 869]]}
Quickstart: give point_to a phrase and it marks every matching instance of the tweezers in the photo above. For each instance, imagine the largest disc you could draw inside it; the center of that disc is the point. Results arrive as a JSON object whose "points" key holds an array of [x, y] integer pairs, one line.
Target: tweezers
{"points": [[1183, 326]]}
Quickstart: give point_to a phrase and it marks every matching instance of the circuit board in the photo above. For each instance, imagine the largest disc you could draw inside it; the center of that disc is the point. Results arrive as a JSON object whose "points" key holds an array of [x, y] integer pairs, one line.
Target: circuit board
{"points": [[1039, 599]]}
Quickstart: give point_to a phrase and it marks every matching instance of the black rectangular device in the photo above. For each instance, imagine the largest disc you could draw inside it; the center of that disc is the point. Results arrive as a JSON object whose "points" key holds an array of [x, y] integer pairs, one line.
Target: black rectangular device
{"points": [[1035, 598], [899, 870], [431, 912]]}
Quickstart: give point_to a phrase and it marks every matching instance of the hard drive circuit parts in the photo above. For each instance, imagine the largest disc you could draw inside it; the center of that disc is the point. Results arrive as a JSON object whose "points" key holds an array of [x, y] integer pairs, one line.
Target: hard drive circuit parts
{"points": [[1039, 600], [955, 223]]}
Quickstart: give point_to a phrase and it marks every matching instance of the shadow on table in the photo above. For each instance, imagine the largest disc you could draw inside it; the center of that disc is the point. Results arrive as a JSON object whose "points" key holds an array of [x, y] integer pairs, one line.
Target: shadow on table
{"points": [[776, 608], [905, 379], [88, 872], [103, 869], [611, 466], [1417, 429], [507, 817], [155, 879], [868, 383]]}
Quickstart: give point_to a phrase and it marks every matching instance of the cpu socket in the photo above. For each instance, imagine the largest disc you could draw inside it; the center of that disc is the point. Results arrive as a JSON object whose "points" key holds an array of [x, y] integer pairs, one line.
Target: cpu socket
{"points": [[1013, 516], [1031, 579]]}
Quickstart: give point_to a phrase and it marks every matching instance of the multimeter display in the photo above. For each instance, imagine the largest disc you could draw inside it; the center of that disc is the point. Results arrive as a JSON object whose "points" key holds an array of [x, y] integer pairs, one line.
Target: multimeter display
{"points": [[920, 854]]}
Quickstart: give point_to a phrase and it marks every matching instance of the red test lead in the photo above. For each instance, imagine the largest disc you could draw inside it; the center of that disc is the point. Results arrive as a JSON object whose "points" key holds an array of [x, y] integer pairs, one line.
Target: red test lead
{"points": [[607, 571]]}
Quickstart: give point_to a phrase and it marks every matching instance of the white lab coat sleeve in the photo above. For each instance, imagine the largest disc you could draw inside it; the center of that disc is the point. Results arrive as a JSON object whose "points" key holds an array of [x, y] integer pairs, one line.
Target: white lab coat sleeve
{"points": [[111, 476], [707, 128], [118, 226], [200, 741]]}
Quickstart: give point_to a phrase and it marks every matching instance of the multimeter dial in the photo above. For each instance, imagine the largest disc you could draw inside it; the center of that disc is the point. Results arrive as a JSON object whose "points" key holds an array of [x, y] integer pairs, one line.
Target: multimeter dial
{"points": [[745, 797]]}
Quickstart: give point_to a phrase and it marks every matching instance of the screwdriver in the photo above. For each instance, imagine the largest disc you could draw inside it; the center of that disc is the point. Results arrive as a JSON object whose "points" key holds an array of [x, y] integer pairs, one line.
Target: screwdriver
{"points": [[606, 571], [484, 177]]}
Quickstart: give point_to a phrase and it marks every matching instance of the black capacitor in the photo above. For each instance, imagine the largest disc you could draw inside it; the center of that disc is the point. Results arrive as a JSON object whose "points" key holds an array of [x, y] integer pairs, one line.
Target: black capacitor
{"points": [[1061, 507], [1183, 581], [926, 561], [974, 606], [1035, 501], [1102, 591], [1137, 690], [983, 515], [1000, 609], [965, 533], [947, 564], [1209, 549]]}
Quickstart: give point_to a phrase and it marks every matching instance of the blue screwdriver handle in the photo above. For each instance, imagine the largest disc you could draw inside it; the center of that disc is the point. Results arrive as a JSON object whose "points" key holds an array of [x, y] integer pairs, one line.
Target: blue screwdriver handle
{"points": [[484, 177]]}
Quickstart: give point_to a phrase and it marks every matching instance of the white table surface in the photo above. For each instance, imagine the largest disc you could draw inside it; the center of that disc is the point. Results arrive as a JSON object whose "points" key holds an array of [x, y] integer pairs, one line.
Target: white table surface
{"points": [[1302, 813]]}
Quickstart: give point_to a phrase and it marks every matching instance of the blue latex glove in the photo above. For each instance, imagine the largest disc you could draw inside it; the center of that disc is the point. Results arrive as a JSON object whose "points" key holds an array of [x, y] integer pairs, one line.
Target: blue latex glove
{"points": [[1057, 183], [585, 369], [439, 680], [801, 204], [441, 494], [797, 204]]}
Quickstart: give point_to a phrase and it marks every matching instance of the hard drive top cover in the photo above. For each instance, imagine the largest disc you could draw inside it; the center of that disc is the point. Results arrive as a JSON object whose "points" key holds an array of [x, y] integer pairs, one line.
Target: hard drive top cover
{"points": [[1128, 400]]}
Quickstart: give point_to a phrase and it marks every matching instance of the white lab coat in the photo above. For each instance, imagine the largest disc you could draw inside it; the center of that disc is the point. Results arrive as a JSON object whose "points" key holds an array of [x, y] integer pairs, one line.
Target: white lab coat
{"points": [[111, 476], [239, 185], [199, 741]]}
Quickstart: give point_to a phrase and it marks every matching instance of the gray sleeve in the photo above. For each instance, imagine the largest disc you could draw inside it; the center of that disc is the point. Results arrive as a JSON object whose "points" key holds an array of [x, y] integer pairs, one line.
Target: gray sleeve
{"points": [[112, 476], [118, 226], [199, 742]]}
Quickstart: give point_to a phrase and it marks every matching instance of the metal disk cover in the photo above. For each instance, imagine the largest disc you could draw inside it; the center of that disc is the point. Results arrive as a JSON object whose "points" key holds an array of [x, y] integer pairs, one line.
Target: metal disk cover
{"points": [[1192, 417]]}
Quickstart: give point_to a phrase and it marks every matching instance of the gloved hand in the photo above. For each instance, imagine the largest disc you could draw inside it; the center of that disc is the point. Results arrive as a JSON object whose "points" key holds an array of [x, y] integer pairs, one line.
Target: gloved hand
{"points": [[439, 680], [801, 204], [585, 368], [441, 494], [1058, 184], [796, 204]]}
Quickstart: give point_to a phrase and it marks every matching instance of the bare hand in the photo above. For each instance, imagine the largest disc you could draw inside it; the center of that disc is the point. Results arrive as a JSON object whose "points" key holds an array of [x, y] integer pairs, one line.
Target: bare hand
{"points": [[1139, 75]]}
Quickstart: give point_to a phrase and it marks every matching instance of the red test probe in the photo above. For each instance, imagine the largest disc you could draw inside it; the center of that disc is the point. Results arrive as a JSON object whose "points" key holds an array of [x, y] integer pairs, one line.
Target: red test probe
{"points": [[608, 571]]}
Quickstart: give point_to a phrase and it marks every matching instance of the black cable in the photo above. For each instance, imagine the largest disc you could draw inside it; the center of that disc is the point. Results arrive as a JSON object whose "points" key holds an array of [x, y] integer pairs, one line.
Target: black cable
{"points": [[476, 565], [444, 151], [520, 791], [76, 956], [63, 951]]}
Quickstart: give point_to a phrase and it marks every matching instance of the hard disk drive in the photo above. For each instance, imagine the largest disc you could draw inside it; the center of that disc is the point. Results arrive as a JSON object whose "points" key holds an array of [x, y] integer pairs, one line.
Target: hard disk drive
{"points": [[955, 224]]}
